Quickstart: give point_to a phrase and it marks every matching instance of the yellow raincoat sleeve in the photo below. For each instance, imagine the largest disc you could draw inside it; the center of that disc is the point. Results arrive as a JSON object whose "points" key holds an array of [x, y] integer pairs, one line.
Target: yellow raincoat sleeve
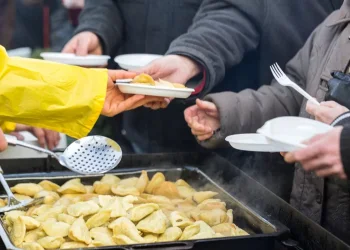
{"points": [[44, 94], [7, 127]]}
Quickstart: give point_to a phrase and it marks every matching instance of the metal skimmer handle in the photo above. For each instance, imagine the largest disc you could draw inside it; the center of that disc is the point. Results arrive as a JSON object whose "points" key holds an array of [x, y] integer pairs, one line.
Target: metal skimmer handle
{"points": [[12, 140], [11, 198]]}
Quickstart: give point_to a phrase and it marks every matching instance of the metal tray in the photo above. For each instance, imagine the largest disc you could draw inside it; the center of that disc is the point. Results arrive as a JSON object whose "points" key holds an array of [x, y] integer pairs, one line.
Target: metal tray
{"points": [[263, 233]]}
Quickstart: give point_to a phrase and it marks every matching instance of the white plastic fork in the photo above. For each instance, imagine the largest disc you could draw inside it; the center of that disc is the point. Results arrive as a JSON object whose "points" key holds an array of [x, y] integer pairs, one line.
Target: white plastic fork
{"points": [[283, 79]]}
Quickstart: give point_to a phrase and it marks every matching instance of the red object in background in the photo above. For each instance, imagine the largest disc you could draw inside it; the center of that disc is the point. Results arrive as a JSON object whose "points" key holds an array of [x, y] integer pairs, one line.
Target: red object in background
{"points": [[46, 26], [74, 16]]}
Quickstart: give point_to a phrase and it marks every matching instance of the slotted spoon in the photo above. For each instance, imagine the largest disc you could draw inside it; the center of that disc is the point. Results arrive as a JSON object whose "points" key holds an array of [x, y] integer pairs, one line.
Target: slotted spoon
{"points": [[12, 202], [89, 155]]}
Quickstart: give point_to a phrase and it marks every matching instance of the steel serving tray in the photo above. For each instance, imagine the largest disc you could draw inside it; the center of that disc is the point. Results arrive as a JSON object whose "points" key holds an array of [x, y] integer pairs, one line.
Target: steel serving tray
{"points": [[262, 232]]}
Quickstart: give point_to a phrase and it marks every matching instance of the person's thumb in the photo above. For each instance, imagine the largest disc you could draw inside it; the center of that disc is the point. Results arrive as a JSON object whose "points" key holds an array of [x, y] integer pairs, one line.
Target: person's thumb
{"points": [[71, 46], [206, 106], [3, 142], [83, 47]]}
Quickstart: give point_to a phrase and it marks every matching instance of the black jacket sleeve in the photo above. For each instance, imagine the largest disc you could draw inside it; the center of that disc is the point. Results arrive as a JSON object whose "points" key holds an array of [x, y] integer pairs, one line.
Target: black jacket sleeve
{"points": [[105, 20], [344, 120], [221, 34]]}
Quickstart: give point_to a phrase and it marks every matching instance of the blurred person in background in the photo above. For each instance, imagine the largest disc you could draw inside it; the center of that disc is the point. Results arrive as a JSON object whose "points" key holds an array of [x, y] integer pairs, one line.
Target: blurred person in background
{"points": [[324, 200], [209, 45], [41, 24], [7, 19], [231, 42]]}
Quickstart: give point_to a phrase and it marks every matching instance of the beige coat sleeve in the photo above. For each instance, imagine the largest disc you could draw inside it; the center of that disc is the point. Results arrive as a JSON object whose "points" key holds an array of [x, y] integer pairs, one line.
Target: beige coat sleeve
{"points": [[248, 110]]}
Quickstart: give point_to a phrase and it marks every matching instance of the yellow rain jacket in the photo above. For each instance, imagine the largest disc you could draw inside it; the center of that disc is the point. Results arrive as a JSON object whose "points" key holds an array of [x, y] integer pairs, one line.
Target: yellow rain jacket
{"points": [[44, 94]]}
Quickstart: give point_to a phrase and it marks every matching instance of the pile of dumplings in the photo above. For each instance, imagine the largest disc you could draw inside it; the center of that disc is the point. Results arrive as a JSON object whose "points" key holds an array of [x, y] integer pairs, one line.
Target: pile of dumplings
{"points": [[116, 212]]}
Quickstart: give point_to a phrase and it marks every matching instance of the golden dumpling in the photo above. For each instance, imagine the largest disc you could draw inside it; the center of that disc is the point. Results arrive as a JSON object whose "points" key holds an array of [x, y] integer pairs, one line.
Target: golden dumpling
{"points": [[3, 203], [38, 210], [55, 228], [18, 231], [66, 218], [30, 223], [105, 200], [139, 212], [51, 213], [83, 208], [64, 201], [75, 245], [156, 199], [11, 215], [128, 201], [204, 227], [73, 197], [49, 186], [185, 206], [226, 229], [101, 236], [89, 197], [167, 189], [29, 189], [202, 196], [155, 223], [181, 182], [123, 240], [89, 189], [98, 219], [229, 216], [121, 190], [73, 186], [185, 192], [142, 182], [50, 242], [213, 217], [32, 246], [155, 182], [110, 179], [190, 231], [49, 196], [179, 86], [203, 235], [212, 204], [79, 231], [102, 188], [170, 234], [22, 197], [129, 182], [144, 79], [180, 220], [124, 226], [116, 208], [34, 235], [150, 238]]}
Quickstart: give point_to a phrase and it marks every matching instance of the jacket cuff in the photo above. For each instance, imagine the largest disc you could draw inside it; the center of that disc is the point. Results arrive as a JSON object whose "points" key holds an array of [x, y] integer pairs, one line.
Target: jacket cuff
{"points": [[345, 149], [201, 59], [343, 119]]}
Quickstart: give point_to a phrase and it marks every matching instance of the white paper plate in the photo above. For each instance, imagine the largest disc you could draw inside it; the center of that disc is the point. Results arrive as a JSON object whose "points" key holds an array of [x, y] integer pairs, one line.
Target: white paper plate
{"points": [[21, 52], [252, 142], [289, 133], [135, 61], [71, 59], [141, 89]]}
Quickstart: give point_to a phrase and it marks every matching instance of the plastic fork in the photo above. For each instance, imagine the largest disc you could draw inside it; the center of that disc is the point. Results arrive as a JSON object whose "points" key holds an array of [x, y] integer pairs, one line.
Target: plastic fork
{"points": [[283, 79]]}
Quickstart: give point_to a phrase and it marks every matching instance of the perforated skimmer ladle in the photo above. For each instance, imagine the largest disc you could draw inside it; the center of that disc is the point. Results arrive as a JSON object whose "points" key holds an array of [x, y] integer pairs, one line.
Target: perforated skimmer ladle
{"points": [[89, 155]]}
